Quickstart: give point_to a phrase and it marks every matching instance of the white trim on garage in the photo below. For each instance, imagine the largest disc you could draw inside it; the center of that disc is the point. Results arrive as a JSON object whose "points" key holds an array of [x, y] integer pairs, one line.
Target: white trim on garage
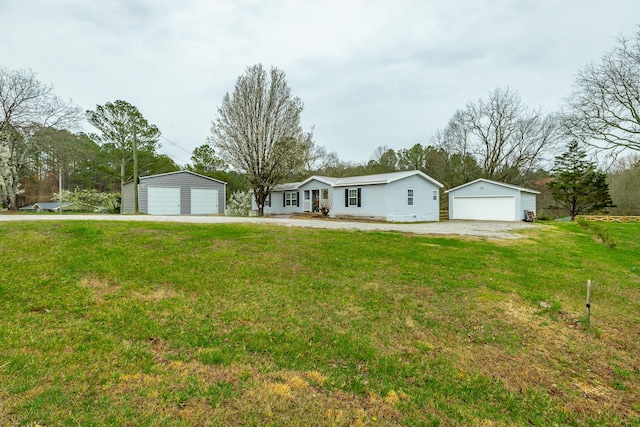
{"points": [[484, 208], [204, 201], [164, 200]]}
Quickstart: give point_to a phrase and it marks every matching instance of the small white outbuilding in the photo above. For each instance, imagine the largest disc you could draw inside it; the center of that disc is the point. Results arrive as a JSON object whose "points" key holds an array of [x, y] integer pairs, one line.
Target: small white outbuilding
{"points": [[488, 200]]}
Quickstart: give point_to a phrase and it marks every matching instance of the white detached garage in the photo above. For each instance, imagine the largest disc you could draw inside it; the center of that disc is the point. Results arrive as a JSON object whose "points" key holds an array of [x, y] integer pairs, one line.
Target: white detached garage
{"points": [[176, 193], [488, 200]]}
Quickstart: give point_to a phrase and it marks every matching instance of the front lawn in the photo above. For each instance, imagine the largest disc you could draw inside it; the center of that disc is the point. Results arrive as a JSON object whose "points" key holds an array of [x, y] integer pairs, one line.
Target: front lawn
{"points": [[127, 323]]}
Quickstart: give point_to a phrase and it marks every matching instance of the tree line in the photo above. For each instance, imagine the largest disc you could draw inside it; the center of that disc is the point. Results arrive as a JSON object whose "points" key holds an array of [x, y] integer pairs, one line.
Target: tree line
{"points": [[41, 149], [257, 142]]}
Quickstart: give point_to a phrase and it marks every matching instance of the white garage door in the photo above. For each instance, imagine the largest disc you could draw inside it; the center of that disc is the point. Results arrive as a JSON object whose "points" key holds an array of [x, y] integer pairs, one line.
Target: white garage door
{"points": [[164, 201], [204, 201], [498, 208]]}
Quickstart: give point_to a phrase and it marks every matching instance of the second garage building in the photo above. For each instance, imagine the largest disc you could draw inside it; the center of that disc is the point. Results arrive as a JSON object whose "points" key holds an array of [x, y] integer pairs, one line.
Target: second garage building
{"points": [[488, 200], [176, 193]]}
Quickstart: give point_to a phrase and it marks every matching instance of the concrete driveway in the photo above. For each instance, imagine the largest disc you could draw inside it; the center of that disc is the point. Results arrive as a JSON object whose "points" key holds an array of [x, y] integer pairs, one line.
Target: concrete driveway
{"points": [[486, 229]]}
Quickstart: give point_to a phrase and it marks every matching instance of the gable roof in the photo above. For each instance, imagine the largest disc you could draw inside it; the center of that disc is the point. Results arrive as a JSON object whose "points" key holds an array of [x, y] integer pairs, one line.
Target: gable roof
{"points": [[289, 186], [381, 178], [142, 178], [323, 179], [502, 184], [47, 206]]}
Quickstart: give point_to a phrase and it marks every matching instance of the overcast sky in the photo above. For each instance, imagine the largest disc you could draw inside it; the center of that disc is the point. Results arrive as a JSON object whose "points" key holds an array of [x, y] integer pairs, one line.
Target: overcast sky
{"points": [[370, 73]]}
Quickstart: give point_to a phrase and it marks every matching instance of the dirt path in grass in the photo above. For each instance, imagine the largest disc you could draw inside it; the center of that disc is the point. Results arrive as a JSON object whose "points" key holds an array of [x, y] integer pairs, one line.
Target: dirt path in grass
{"points": [[487, 229]]}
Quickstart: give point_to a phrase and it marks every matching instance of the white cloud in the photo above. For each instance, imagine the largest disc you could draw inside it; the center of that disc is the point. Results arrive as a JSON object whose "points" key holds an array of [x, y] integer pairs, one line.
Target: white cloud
{"points": [[370, 73]]}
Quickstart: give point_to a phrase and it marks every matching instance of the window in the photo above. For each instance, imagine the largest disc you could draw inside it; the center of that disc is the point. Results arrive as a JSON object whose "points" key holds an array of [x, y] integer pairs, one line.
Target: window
{"points": [[291, 199], [352, 197], [435, 194], [267, 201], [410, 196], [325, 194]]}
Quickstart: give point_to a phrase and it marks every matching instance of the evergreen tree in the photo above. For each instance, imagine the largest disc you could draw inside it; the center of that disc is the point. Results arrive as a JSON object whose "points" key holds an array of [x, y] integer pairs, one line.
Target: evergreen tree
{"points": [[123, 129], [578, 187], [206, 161]]}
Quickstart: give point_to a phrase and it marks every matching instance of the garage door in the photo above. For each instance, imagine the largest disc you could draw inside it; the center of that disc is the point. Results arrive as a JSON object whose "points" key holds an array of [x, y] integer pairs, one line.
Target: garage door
{"points": [[164, 201], [204, 201], [498, 208]]}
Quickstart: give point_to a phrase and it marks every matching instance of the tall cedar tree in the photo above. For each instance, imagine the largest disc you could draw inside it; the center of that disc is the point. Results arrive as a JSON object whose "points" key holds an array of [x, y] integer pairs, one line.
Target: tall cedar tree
{"points": [[577, 186]]}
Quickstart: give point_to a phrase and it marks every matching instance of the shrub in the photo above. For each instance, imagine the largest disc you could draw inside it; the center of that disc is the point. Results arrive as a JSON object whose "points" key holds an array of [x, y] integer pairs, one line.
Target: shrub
{"points": [[90, 200], [543, 217], [239, 204], [601, 232]]}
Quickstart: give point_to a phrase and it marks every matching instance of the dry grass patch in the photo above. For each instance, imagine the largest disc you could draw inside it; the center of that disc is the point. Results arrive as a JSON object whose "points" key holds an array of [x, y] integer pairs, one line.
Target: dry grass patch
{"points": [[99, 287], [250, 396], [158, 294], [568, 363]]}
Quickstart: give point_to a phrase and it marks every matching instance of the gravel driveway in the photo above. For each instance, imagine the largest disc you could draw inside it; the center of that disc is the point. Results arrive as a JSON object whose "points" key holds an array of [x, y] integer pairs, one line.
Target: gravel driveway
{"points": [[487, 229]]}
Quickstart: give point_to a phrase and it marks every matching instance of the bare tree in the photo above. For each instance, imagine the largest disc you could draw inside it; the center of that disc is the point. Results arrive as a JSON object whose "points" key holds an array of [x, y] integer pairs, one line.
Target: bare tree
{"points": [[257, 130], [506, 138], [26, 105], [604, 108], [318, 160]]}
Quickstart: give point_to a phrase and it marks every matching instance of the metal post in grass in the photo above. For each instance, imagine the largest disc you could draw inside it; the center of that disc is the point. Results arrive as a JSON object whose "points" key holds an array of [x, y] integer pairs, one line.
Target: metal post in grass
{"points": [[588, 304], [60, 190]]}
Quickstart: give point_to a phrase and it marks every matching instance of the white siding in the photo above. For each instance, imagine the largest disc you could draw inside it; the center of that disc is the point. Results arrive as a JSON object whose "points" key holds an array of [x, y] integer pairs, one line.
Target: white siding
{"points": [[372, 202], [277, 208], [277, 197], [378, 199], [528, 203], [424, 208], [311, 186], [389, 201]]}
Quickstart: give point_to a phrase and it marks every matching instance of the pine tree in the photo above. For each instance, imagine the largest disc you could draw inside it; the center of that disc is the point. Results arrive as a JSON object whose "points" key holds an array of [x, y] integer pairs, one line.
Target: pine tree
{"points": [[578, 187]]}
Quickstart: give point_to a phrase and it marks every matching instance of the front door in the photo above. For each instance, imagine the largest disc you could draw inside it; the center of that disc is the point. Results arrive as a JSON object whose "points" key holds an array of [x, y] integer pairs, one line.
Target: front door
{"points": [[315, 200], [306, 202]]}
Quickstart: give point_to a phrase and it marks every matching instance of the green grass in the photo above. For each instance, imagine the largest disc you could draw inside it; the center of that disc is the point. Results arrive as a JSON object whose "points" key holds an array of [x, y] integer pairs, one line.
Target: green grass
{"points": [[179, 324]]}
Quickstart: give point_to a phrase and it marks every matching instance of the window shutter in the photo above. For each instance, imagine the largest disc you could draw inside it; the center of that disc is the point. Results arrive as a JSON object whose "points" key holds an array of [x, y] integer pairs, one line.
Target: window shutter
{"points": [[298, 199], [269, 200], [346, 197], [359, 197], [284, 199]]}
